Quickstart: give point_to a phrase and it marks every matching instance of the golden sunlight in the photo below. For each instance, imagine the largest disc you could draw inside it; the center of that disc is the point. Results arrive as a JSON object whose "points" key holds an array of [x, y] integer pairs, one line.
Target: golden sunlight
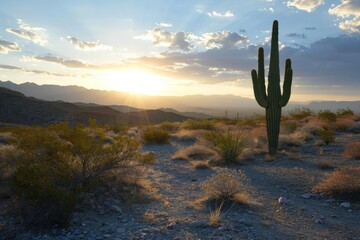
{"points": [[134, 81]]}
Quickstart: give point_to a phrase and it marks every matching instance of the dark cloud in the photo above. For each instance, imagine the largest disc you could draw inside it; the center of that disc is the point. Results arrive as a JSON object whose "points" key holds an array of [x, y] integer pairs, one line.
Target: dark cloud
{"points": [[223, 39], [6, 46], [297, 35]]}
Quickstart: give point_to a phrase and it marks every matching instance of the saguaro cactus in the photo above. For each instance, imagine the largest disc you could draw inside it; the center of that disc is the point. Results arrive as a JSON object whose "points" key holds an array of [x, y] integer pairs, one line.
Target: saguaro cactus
{"points": [[273, 101]]}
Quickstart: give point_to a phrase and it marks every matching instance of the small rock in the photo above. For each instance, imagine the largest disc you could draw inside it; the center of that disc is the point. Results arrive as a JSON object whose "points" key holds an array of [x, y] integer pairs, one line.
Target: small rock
{"points": [[283, 200], [200, 224], [306, 195], [116, 209], [107, 235], [330, 200], [345, 205], [318, 221], [333, 216]]}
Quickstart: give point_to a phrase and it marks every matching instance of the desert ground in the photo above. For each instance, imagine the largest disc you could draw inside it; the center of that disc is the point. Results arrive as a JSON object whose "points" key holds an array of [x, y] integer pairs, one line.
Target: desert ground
{"points": [[279, 198]]}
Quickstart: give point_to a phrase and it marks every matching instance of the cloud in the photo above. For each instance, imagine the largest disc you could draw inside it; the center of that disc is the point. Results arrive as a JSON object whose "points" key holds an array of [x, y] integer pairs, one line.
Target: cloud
{"points": [[223, 39], [6, 46], [35, 34], [349, 10], [87, 46], [70, 63], [305, 5], [297, 35], [173, 40], [11, 67], [269, 9], [310, 28], [226, 14], [164, 24]]}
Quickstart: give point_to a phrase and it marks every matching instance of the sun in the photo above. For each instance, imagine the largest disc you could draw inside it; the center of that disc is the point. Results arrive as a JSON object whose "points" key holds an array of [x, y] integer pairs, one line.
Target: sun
{"points": [[134, 81]]}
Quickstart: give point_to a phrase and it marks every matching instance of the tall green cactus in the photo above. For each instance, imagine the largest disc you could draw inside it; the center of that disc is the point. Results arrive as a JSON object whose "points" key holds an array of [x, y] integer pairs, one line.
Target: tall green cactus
{"points": [[273, 101]]}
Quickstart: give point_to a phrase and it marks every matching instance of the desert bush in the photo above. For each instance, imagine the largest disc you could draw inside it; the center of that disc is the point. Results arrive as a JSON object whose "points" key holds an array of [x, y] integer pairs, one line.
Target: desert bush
{"points": [[197, 124], [155, 135], [326, 115], [248, 122], [60, 162], [326, 135], [8, 156], [343, 112], [343, 183], [193, 152], [289, 126], [200, 164], [228, 145], [225, 185], [300, 113], [352, 150], [325, 164], [169, 126]]}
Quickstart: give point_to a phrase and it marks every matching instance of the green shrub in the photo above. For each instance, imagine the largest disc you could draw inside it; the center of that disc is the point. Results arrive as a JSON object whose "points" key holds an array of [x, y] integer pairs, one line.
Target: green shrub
{"points": [[155, 135], [59, 162], [326, 115], [197, 124], [228, 145], [344, 112], [249, 122], [326, 135], [300, 113], [290, 126]]}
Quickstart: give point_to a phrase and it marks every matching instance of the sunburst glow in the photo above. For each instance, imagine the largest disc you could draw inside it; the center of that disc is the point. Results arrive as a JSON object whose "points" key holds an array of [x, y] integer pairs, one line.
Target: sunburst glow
{"points": [[135, 81]]}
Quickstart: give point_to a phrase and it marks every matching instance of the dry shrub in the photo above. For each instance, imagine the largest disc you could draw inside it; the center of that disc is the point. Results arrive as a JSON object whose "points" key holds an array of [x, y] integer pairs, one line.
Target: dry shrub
{"points": [[200, 164], [225, 184], [197, 124], [326, 115], [325, 164], [155, 135], [193, 152], [300, 113], [344, 112], [352, 150], [215, 216], [343, 124], [8, 156], [289, 141], [169, 126], [343, 183], [189, 134], [326, 135], [288, 127], [259, 136]]}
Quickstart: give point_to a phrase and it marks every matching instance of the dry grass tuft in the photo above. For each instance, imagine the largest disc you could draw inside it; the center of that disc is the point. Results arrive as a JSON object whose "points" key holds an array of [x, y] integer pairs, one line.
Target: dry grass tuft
{"points": [[325, 164], [352, 150], [215, 216], [342, 183], [196, 151], [185, 134], [8, 156], [225, 184], [200, 164]]}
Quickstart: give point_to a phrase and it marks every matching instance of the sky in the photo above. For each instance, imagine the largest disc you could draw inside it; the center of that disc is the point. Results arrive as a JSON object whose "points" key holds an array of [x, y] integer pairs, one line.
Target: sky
{"points": [[168, 47]]}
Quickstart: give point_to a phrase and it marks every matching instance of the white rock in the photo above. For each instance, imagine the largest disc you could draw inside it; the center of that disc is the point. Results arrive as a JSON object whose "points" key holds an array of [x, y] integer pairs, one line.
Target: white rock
{"points": [[306, 195], [345, 205], [283, 200]]}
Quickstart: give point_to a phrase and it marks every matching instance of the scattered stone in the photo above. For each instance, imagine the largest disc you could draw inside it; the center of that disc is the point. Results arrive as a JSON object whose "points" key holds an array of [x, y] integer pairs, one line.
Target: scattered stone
{"points": [[345, 205], [283, 200], [200, 224], [306, 195], [116, 209], [318, 221], [107, 235]]}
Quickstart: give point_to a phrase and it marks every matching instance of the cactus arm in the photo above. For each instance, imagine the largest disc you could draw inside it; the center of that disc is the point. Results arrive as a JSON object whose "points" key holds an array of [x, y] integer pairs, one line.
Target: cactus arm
{"points": [[258, 90], [287, 84]]}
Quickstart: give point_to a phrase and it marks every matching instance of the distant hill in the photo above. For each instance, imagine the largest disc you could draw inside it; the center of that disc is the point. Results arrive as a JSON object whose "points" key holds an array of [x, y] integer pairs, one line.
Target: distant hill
{"points": [[214, 105], [188, 114], [335, 105], [16, 108]]}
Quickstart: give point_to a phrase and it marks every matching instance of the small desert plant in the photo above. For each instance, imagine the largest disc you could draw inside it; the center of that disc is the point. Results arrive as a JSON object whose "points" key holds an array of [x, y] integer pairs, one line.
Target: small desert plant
{"points": [[8, 156], [344, 112], [200, 164], [300, 113], [352, 150], [215, 216], [248, 122], [342, 183], [326, 135], [289, 126], [225, 185], [155, 135], [325, 164], [228, 145], [204, 124], [169, 126], [326, 115], [194, 152]]}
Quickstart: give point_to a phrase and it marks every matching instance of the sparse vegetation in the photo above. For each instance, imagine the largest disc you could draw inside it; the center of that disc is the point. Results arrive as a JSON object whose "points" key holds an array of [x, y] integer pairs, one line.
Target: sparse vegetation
{"points": [[325, 164], [228, 145], [154, 135], [300, 113], [197, 124], [169, 126], [352, 150], [194, 152], [344, 112], [326, 115], [225, 185], [326, 135], [289, 126], [200, 164], [343, 183]]}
